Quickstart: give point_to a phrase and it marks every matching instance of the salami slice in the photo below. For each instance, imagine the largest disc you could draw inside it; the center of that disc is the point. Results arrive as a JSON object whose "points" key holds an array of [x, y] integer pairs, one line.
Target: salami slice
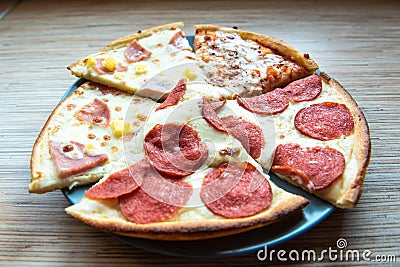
{"points": [[141, 206], [249, 134], [305, 89], [175, 149], [273, 102], [70, 159], [315, 168], [120, 183], [175, 95], [324, 121], [211, 117], [217, 105], [96, 112], [135, 52], [236, 190]]}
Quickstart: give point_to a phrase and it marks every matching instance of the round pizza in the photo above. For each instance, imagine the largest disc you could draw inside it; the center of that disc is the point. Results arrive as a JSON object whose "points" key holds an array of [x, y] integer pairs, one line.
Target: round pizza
{"points": [[177, 143]]}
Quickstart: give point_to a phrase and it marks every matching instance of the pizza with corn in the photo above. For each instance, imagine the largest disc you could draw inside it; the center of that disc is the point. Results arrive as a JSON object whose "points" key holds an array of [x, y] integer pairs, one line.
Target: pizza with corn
{"points": [[177, 144]]}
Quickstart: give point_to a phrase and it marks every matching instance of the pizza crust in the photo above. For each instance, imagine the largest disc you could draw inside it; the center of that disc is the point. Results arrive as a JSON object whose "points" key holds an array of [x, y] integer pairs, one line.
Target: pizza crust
{"points": [[79, 68], [62, 125], [94, 213], [362, 146], [43, 174], [344, 192]]}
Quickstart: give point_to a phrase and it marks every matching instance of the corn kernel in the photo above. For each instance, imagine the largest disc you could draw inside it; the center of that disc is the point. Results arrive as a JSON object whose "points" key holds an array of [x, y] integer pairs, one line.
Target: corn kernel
{"points": [[141, 68], [119, 75], [110, 63], [189, 74], [127, 129], [117, 126], [89, 146], [91, 62]]}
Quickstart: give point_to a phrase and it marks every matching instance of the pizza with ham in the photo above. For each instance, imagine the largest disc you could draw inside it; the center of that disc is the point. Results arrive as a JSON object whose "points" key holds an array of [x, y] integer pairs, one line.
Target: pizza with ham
{"points": [[177, 144], [81, 141], [128, 62]]}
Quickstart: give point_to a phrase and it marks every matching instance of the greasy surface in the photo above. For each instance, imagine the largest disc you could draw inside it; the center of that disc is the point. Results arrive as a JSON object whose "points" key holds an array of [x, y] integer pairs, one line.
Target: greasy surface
{"points": [[355, 43]]}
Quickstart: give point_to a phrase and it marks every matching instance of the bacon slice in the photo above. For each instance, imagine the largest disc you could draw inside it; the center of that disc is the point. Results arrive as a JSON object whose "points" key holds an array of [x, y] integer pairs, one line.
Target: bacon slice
{"points": [[135, 52], [96, 112], [69, 158]]}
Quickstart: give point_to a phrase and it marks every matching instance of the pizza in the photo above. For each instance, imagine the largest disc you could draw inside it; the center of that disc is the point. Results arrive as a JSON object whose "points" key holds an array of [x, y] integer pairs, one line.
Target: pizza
{"points": [[81, 141], [128, 62], [186, 179], [177, 144], [248, 63]]}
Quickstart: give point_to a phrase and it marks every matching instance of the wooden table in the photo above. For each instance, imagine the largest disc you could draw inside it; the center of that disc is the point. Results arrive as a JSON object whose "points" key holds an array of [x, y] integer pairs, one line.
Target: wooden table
{"points": [[357, 43]]}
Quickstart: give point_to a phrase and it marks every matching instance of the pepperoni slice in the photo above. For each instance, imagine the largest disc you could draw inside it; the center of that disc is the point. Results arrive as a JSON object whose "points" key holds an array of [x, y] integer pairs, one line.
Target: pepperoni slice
{"points": [[273, 102], [157, 200], [315, 168], [96, 112], [324, 121], [249, 134], [70, 159], [217, 105], [236, 190], [175, 95], [211, 117], [175, 149], [135, 52], [120, 183], [100, 69], [305, 89]]}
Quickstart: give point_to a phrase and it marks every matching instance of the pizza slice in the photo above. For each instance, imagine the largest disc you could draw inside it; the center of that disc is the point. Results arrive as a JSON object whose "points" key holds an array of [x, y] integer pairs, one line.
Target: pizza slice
{"points": [[248, 63], [322, 137], [128, 62], [186, 180], [82, 139]]}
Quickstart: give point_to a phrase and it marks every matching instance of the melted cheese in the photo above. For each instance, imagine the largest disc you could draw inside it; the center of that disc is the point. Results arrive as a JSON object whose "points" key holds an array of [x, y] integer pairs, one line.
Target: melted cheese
{"points": [[286, 132], [241, 65], [138, 73], [65, 127]]}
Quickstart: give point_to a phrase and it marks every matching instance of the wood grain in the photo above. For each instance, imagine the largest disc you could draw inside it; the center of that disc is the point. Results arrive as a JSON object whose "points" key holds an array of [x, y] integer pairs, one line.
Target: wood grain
{"points": [[357, 43]]}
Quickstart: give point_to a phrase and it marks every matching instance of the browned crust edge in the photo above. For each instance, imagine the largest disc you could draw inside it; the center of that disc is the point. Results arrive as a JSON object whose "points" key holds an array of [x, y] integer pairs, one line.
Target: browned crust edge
{"points": [[362, 145], [194, 230], [283, 48], [362, 149], [36, 155]]}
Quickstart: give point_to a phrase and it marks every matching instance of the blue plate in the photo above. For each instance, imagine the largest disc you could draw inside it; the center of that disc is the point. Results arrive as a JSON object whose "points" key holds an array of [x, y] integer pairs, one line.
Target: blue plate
{"points": [[250, 241]]}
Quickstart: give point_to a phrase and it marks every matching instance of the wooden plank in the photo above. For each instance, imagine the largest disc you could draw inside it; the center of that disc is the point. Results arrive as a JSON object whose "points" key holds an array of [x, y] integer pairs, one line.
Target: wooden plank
{"points": [[6, 6], [355, 43]]}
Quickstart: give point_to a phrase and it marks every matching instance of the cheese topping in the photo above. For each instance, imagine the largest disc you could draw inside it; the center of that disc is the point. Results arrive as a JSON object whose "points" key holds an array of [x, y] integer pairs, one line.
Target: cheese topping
{"points": [[137, 73], [70, 150], [243, 66]]}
